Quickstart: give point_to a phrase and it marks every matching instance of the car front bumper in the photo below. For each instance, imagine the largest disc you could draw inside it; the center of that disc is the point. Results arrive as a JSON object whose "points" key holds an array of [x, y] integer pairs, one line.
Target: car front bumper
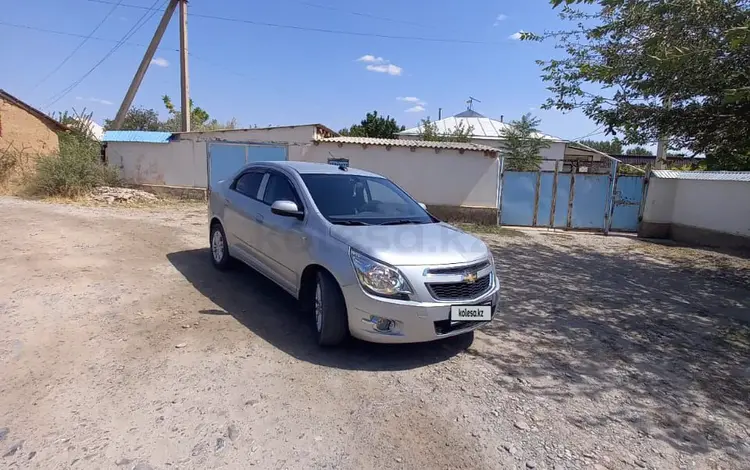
{"points": [[416, 321]]}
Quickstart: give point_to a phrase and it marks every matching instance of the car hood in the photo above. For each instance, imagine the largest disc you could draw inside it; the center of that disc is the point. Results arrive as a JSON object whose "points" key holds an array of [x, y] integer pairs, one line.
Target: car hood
{"points": [[413, 245]]}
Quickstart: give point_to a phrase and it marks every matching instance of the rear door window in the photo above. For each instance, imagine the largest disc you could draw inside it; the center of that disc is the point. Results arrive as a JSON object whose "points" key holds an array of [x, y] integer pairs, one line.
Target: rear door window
{"points": [[249, 184]]}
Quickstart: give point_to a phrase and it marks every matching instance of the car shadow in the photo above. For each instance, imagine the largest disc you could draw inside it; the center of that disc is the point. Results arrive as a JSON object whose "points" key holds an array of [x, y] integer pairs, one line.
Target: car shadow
{"points": [[274, 315]]}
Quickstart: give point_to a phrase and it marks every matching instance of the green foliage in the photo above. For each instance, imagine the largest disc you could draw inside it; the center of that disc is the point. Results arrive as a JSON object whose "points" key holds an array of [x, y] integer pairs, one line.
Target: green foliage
{"points": [[374, 125], [75, 171], [428, 130], [142, 119], [649, 68], [78, 122], [137, 119], [637, 150], [523, 143], [610, 147]]}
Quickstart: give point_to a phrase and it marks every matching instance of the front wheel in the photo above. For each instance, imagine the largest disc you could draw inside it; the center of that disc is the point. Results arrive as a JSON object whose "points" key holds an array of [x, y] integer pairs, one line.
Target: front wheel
{"points": [[219, 248], [331, 323]]}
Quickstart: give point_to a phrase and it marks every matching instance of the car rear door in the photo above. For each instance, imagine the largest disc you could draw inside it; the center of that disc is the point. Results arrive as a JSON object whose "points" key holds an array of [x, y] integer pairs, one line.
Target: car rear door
{"points": [[242, 203]]}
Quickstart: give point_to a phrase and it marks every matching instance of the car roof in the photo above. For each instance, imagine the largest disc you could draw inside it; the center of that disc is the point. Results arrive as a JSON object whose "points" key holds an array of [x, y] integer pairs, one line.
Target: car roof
{"points": [[308, 168]]}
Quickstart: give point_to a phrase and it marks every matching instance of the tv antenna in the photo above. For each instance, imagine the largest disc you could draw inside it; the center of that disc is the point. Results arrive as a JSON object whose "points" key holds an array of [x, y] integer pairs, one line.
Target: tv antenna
{"points": [[470, 103]]}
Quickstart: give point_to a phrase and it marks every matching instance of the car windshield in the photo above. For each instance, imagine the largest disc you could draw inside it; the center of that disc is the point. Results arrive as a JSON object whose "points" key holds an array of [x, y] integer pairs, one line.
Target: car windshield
{"points": [[363, 200]]}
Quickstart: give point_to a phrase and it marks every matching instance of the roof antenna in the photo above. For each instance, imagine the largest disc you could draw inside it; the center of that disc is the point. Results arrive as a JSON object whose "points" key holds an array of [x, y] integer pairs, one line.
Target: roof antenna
{"points": [[470, 103]]}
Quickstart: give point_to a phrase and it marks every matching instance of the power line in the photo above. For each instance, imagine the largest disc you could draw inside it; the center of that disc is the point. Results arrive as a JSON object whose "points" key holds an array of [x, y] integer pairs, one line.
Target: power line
{"points": [[96, 38], [76, 35], [322, 30], [85, 40], [141, 21], [357, 13]]}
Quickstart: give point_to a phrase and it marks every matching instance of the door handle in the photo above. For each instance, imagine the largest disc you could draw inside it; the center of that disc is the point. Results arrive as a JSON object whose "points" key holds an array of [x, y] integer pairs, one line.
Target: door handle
{"points": [[227, 202], [259, 218]]}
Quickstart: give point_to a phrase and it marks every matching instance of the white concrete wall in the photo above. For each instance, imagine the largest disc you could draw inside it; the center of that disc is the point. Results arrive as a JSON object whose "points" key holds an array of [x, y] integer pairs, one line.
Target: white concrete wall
{"points": [[721, 206], [178, 163], [446, 178], [183, 161], [659, 203]]}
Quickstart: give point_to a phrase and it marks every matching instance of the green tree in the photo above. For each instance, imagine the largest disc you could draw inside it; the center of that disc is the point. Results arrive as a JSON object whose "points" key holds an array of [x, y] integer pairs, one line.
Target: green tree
{"points": [[428, 130], [648, 68], [610, 147], [137, 119], [374, 125], [638, 150], [522, 144]]}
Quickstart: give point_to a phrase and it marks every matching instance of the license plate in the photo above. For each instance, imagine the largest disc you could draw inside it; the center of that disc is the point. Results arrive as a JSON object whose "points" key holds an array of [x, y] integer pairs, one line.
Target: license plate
{"points": [[471, 313]]}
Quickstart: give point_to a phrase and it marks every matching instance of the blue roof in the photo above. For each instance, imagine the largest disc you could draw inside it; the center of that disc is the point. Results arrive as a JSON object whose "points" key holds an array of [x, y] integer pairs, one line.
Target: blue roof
{"points": [[137, 136]]}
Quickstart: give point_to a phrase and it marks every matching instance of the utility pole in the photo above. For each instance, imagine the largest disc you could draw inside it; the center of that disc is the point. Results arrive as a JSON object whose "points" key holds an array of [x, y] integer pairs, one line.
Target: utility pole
{"points": [[147, 57], [184, 76], [662, 145]]}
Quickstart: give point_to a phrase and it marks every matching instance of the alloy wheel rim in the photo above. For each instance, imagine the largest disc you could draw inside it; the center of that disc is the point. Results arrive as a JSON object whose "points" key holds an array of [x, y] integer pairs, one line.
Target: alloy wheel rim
{"points": [[318, 307], [217, 246]]}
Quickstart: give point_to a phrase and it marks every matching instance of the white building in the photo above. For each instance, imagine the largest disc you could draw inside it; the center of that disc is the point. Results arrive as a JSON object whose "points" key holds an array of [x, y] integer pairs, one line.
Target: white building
{"points": [[487, 131], [462, 178]]}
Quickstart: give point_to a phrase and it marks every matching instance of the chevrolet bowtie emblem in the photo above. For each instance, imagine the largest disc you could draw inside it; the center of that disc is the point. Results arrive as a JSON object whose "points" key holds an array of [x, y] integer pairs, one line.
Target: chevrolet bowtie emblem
{"points": [[470, 278]]}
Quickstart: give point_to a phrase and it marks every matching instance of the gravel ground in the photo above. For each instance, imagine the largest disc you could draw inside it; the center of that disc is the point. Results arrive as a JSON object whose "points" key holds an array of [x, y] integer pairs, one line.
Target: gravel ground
{"points": [[120, 347]]}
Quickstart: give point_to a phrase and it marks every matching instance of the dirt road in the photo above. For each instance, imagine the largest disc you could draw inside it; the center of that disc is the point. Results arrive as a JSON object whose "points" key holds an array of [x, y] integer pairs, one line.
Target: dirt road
{"points": [[120, 347]]}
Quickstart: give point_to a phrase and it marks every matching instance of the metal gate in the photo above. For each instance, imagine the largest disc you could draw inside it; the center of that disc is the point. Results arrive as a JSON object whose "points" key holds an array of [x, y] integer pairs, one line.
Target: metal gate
{"points": [[224, 159], [554, 199]]}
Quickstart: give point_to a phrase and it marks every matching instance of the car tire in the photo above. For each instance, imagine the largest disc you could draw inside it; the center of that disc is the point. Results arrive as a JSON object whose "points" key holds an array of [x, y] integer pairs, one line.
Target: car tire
{"points": [[329, 311], [219, 248]]}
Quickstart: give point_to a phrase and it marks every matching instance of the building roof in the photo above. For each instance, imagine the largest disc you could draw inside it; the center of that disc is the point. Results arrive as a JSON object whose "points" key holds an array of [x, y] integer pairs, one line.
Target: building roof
{"points": [[32, 110], [326, 129], [481, 127], [703, 175], [410, 143], [150, 137]]}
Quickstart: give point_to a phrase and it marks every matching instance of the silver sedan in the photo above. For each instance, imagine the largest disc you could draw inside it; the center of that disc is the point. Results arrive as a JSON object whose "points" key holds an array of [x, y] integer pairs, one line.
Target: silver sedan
{"points": [[361, 255]]}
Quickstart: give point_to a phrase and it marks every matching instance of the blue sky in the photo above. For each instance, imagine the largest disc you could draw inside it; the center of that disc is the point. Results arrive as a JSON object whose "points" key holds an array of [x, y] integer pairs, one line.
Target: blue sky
{"points": [[275, 76]]}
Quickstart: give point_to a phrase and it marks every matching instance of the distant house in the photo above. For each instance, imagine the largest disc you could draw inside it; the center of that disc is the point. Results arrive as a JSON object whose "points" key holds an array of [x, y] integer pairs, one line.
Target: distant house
{"points": [[488, 131], [25, 128]]}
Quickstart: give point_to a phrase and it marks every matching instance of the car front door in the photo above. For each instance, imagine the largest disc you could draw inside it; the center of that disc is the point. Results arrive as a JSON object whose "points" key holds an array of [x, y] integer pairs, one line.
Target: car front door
{"points": [[240, 222], [283, 242]]}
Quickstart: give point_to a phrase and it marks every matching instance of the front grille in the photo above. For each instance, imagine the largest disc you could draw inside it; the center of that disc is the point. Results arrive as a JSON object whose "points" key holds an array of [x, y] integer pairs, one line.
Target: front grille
{"points": [[460, 269], [460, 290]]}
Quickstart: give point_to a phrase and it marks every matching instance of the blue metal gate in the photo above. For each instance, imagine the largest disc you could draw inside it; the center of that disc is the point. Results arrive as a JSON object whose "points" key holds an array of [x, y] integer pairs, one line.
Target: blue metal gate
{"points": [[224, 159], [571, 200]]}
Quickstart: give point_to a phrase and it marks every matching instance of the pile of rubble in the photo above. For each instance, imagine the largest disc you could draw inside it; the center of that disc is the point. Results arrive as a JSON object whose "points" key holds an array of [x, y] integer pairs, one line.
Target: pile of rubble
{"points": [[110, 194]]}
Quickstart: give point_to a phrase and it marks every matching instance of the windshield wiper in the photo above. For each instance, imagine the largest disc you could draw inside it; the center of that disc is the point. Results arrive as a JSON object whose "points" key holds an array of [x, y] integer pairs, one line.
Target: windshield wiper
{"points": [[349, 222], [402, 222]]}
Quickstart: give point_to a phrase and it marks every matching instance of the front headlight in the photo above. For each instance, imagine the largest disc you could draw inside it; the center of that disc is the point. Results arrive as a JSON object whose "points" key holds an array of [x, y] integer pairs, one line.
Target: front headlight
{"points": [[378, 278]]}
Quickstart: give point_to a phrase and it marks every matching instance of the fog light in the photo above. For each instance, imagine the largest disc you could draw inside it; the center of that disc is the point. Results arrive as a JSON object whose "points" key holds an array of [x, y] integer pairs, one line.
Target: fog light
{"points": [[380, 324]]}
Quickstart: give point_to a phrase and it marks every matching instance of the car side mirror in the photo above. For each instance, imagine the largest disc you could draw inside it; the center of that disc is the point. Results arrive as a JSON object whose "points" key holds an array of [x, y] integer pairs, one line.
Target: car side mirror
{"points": [[287, 209], [422, 205]]}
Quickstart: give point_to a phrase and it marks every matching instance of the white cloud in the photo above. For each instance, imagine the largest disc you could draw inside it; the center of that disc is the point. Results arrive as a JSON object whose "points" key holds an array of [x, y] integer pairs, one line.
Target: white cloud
{"points": [[160, 61], [390, 69], [516, 36], [411, 99], [95, 100], [415, 109], [500, 18], [380, 65], [371, 59]]}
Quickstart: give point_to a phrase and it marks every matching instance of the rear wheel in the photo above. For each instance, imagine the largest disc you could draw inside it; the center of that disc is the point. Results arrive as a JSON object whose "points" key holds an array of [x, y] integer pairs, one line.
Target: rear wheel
{"points": [[329, 308], [219, 248]]}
